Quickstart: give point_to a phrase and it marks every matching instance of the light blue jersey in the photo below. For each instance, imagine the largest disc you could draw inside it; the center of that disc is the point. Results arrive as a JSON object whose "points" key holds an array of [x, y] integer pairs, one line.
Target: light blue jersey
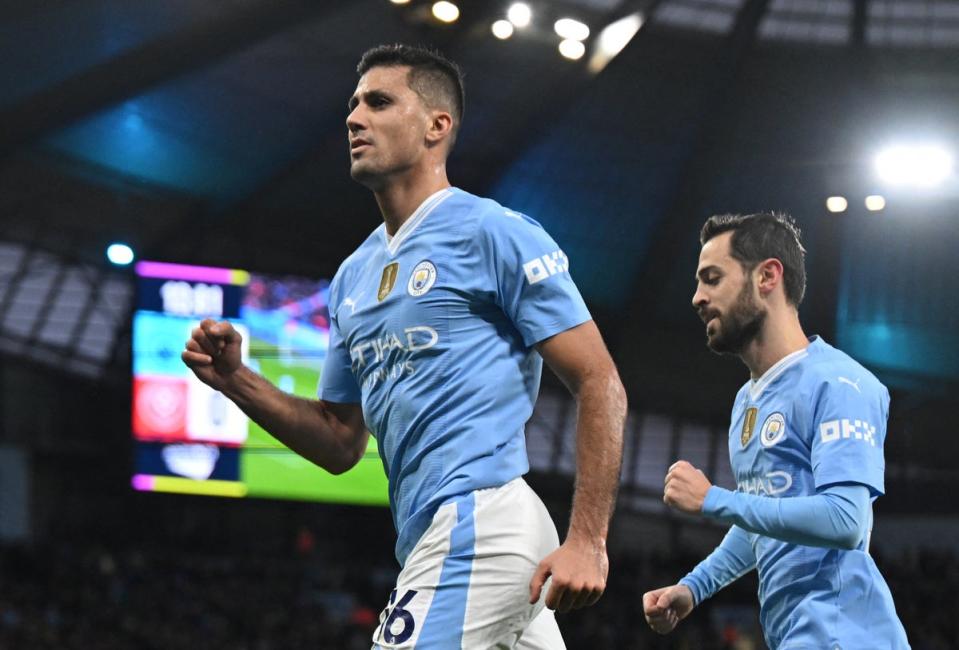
{"points": [[432, 332], [817, 418]]}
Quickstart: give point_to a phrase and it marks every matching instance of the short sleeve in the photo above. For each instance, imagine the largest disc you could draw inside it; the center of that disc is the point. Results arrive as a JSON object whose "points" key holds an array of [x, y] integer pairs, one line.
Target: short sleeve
{"points": [[530, 275], [337, 383], [849, 428]]}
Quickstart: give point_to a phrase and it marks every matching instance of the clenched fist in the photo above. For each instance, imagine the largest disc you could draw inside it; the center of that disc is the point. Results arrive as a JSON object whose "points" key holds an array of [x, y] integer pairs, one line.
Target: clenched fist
{"points": [[686, 488], [213, 352], [579, 571], [666, 607]]}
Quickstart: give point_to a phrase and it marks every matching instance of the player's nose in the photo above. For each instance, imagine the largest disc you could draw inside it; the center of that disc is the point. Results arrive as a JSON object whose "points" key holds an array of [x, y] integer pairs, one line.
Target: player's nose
{"points": [[355, 121], [699, 299]]}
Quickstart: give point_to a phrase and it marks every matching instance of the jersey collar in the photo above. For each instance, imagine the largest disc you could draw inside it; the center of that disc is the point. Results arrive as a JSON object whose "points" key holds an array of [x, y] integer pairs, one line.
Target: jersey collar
{"points": [[778, 368], [426, 207]]}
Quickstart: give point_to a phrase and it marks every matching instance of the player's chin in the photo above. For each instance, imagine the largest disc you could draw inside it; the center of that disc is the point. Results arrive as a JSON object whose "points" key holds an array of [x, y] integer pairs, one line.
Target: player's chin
{"points": [[716, 342], [362, 170], [712, 332]]}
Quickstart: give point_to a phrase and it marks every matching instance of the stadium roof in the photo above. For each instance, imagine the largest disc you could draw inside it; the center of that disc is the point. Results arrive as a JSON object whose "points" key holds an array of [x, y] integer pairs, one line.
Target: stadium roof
{"points": [[213, 133]]}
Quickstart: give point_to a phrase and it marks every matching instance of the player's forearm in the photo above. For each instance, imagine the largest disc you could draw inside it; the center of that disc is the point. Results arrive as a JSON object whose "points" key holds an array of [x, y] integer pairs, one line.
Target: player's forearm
{"points": [[599, 452], [834, 518], [732, 559], [302, 425]]}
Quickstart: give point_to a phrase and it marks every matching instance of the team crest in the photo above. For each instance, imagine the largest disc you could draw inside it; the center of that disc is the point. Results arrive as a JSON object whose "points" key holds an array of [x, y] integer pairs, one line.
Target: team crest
{"points": [[774, 429], [390, 271], [749, 423], [422, 278]]}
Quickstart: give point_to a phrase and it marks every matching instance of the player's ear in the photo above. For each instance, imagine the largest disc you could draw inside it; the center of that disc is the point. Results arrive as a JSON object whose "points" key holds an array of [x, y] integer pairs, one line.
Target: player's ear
{"points": [[770, 275], [440, 127]]}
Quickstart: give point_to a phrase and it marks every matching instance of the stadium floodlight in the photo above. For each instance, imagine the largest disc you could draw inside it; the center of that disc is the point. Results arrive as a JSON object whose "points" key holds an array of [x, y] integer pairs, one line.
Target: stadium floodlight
{"points": [[400, 2], [572, 49], [520, 14], [923, 166], [837, 204], [502, 29], [611, 41], [119, 254], [446, 12], [875, 202], [571, 29]]}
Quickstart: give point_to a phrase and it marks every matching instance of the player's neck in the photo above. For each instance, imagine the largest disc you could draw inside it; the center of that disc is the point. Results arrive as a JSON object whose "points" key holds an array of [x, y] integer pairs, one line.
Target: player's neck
{"points": [[400, 196], [781, 335]]}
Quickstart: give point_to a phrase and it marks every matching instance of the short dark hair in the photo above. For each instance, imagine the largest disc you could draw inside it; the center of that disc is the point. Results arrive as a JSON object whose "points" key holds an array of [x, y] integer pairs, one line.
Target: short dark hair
{"points": [[437, 80], [757, 237]]}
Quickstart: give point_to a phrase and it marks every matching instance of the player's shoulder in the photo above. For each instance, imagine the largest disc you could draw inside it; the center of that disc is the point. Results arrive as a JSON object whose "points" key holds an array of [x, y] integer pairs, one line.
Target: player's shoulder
{"points": [[489, 217], [827, 367]]}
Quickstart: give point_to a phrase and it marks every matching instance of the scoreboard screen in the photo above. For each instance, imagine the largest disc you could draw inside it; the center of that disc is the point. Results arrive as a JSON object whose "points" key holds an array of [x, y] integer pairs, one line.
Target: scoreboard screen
{"points": [[191, 439]]}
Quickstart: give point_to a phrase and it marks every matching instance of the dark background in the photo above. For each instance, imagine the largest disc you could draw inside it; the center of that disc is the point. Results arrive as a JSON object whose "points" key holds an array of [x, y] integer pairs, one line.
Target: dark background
{"points": [[214, 133]]}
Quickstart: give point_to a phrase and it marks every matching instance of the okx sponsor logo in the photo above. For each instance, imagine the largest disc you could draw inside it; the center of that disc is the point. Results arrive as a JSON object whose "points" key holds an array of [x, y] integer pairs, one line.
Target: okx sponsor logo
{"points": [[541, 268]]}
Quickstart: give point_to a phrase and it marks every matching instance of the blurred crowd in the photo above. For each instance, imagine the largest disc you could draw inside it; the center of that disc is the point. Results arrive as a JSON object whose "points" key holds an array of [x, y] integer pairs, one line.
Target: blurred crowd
{"points": [[66, 597]]}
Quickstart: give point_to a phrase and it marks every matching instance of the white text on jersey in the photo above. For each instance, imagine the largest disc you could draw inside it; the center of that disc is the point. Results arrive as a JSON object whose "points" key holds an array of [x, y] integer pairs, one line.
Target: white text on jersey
{"points": [[857, 429], [772, 484], [540, 268], [419, 337]]}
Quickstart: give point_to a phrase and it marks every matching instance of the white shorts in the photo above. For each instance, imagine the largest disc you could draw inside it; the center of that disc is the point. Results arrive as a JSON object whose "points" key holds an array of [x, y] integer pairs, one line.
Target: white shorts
{"points": [[466, 582]]}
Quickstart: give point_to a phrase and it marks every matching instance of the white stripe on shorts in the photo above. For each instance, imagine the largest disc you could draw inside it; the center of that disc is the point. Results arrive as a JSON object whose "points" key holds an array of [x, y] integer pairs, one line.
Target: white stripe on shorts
{"points": [[466, 582]]}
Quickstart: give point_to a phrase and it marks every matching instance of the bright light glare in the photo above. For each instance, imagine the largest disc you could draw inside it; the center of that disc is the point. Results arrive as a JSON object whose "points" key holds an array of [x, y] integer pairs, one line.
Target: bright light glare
{"points": [[520, 14], [613, 39], [916, 166], [837, 204], [119, 254], [400, 2], [502, 29], [572, 49], [571, 29], [446, 11], [875, 203]]}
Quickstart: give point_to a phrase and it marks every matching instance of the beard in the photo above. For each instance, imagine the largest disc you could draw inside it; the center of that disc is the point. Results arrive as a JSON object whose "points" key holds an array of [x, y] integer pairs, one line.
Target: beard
{"points": [[740, 326]]}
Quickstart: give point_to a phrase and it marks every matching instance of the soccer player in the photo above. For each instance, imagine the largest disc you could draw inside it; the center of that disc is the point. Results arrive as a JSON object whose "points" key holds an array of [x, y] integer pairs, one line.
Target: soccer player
{"points": [[805, 445], [440, 322]]}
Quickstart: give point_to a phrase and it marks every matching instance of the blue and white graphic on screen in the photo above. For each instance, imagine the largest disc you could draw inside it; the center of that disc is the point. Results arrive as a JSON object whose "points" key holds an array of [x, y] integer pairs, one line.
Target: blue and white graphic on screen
{"points": [[433, 330], [817, 418], [157, 343]]}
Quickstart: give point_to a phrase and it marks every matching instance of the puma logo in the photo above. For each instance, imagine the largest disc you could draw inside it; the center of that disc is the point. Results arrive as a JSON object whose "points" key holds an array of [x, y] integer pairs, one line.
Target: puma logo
{"points": [[854, 384], [351, 302]]}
